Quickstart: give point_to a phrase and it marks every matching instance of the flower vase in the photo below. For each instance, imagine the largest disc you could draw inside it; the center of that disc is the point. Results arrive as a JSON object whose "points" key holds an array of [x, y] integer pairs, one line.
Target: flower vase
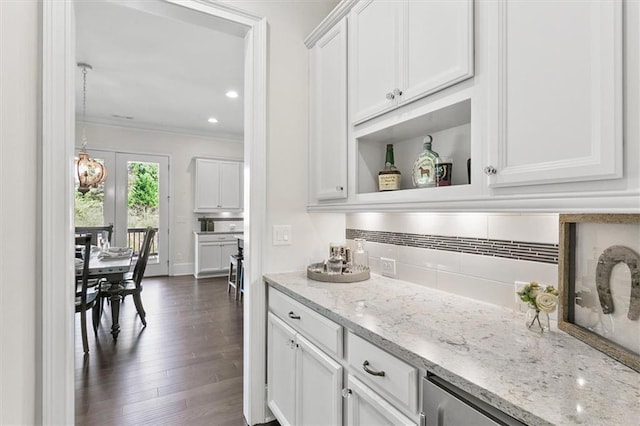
{"points": [[537, 320]]}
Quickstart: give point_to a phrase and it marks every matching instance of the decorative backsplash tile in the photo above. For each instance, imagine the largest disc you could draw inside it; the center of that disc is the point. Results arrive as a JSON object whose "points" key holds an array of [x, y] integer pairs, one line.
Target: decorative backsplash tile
{"points": [[519, 250]]}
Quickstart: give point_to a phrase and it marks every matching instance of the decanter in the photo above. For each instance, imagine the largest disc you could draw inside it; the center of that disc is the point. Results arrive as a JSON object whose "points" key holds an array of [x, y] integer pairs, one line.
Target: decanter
{"points": [[424, 169]]}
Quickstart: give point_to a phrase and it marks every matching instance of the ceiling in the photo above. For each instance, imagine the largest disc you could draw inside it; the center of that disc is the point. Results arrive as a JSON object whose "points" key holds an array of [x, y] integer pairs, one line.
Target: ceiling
{"points": [[162, 72]]}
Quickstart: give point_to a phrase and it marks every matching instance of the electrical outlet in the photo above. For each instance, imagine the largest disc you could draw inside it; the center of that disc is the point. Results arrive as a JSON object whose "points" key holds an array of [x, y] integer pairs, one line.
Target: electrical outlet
{"points": [[388, 267]]}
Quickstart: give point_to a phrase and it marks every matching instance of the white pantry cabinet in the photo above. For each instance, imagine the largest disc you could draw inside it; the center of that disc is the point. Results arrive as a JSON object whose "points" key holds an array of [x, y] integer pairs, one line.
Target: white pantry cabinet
{"points": [[555, 92], [217, 185], [328, 115], [404, 50], [303, 383], [212, 254]]}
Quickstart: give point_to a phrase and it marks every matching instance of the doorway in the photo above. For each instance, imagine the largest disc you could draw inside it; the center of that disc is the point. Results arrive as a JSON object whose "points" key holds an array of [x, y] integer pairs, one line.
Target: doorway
{"points": [[55, 372]]}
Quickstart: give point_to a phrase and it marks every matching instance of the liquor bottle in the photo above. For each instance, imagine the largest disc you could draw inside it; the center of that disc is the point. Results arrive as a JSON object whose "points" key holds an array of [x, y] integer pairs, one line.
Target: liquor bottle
{"points": [[389, 177], [360, 255], [424, 169]]}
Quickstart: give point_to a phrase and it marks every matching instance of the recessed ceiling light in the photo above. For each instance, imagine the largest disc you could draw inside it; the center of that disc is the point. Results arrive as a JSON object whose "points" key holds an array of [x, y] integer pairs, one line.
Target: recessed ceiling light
{"points": [[212, 120], [232, 94]]}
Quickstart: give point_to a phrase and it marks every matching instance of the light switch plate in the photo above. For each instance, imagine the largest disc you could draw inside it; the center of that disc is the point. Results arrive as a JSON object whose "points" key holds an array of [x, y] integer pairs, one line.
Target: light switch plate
{"points": [[281, 235]]}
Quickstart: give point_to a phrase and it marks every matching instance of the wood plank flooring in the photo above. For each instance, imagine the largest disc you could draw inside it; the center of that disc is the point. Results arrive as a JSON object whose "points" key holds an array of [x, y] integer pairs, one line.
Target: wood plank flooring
{"points": [[184, 368]]}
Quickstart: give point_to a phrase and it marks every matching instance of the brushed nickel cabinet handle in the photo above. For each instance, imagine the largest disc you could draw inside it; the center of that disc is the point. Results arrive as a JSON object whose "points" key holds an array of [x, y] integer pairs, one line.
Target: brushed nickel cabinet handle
{"points": [[365, 366]]}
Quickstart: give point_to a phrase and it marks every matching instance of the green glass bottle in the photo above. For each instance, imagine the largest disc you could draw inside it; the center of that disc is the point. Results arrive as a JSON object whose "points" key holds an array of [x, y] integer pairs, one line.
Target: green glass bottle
{"points": [[389, 177], [424, 169]]}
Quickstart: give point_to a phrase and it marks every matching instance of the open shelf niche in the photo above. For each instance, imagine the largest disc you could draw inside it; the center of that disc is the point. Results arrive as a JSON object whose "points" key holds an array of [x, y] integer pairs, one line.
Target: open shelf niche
{"points": [[450, 128]]}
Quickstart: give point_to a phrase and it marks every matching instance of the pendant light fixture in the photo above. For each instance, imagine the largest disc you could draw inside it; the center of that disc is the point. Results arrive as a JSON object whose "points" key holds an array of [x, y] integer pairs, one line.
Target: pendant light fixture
{"points": [[90, 173]]}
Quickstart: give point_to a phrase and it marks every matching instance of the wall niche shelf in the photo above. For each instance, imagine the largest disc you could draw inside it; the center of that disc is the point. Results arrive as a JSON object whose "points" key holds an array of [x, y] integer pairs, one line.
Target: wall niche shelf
{"points": [[450, 127]]}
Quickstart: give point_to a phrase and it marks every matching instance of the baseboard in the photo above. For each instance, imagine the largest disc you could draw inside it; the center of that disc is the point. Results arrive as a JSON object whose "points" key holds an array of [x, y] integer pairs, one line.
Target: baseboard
{"points": [[182, 269]]}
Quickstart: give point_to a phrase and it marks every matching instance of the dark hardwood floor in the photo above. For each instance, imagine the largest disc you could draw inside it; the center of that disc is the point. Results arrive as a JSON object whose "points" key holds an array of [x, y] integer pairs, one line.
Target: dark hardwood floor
{"points": [[184, 368]]}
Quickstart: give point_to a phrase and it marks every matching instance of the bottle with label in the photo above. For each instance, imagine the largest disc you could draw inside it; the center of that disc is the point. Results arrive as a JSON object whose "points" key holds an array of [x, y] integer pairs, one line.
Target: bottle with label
{"points": [[424, 169], [389, 177]]}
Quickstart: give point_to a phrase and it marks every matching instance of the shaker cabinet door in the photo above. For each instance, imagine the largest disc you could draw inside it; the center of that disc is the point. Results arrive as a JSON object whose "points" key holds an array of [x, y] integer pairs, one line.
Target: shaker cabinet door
{"points": [[319, 386], [373, 58], [555, 110], [366, 408], [281, 361], [438, 48], [328, 116], [230, 189], [207, 185]]}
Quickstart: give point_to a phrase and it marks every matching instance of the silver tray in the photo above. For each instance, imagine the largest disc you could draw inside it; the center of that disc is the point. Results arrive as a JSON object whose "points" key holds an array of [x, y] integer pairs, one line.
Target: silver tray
{"points": [[317, 273]]}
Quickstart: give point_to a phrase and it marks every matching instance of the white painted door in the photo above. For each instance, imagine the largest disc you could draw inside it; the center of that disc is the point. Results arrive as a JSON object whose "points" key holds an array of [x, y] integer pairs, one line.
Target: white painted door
{"points": [[437, 51], [318, 386], [373, 57], [366, 408], [328, 115], [281, 361], [555, 96], [148, 175]]}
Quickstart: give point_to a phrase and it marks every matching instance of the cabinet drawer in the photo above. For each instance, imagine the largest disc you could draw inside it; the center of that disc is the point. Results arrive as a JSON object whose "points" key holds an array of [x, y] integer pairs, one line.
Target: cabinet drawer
{"points": [[308, 322], [213, 238], [399, 383]]}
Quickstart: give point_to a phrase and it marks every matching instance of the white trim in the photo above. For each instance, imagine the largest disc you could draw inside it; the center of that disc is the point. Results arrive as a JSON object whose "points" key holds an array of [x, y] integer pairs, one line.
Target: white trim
{"points": [[255, 203], [54, 399], [177, 269], [55, 395], [338, 12]]}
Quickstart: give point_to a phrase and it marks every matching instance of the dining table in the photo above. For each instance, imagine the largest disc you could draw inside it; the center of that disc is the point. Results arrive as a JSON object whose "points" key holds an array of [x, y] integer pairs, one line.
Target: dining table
{"points": [[110, 267]]}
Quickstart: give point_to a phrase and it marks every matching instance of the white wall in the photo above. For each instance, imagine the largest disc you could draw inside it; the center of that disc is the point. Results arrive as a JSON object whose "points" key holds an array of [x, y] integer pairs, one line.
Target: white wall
{"points": [[181, 149], [486, 278], [18, 234], [290, 22]]}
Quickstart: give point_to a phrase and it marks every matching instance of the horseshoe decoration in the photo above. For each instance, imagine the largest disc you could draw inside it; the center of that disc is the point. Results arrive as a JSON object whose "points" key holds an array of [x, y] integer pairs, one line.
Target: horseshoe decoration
{"points": [[607, 260]]}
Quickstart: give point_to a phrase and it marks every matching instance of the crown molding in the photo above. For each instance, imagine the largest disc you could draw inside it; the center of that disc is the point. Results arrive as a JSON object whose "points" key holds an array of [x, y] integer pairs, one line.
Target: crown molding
{"points": [[339, 12]]}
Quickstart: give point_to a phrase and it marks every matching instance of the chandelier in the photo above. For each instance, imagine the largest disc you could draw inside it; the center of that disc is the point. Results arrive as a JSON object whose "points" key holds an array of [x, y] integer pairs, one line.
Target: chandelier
{"points": [[90, 173]]}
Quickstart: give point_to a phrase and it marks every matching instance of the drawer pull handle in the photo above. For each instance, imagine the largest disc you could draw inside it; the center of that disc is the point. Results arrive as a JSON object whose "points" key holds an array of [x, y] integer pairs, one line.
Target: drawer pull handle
{"points": [[293, 316], [365, 366]]}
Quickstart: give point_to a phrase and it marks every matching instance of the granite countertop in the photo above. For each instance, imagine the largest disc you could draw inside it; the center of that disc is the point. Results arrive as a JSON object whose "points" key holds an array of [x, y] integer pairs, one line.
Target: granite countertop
{"points": [[483, 349]]}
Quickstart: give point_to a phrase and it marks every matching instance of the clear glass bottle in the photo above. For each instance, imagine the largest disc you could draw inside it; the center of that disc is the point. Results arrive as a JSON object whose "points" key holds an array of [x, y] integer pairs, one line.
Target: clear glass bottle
{"points": [[360, 255], [389, 177], [424, 169]]}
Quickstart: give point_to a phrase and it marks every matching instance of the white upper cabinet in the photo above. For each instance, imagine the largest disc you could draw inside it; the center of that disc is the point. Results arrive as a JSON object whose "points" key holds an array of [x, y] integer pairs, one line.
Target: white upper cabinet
{"points": [[217, 185], [403, 50], [555, 92], [328, 115]]}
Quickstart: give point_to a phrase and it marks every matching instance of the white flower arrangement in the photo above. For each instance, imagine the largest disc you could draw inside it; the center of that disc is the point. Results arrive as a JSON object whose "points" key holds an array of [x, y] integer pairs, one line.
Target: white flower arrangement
{"points": [[538, 297]]}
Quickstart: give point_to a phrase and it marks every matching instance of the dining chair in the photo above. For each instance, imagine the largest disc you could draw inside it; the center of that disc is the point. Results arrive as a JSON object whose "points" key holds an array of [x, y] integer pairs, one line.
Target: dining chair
{"points": [[133, 286], [85, 300], [95, 231]]}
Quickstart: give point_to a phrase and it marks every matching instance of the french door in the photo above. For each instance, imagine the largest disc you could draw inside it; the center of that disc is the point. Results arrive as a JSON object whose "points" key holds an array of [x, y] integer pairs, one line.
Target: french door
{"points": [[134, 196]]}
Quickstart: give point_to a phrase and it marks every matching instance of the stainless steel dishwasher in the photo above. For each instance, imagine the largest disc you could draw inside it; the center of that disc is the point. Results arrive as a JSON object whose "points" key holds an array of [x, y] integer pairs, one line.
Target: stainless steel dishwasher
{"points": [[445, 405]]}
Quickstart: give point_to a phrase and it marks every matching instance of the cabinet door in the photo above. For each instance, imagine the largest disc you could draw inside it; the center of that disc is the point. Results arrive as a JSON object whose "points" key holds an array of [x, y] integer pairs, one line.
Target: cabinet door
{"points": [[207, 185], [328, 115], [437, 51], [366, 408], [373, 57], [209, 257], [319, 386], [230, 189], [281, 360], [555, 110]]}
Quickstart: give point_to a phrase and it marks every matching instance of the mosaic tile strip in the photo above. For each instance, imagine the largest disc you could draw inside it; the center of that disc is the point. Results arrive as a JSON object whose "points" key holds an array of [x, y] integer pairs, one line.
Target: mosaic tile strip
{"points": [[519, 250]]}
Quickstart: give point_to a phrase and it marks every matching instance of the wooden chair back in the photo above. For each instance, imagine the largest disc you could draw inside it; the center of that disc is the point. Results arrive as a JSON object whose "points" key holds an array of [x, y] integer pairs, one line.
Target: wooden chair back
{"points": [[94, 231], [141, 263]]}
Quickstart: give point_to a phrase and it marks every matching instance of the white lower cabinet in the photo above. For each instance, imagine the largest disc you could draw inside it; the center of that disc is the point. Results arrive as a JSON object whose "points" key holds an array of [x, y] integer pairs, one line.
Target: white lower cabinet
{"points": [[304, 384], [367, 408], [309, 382], [212, 254]]}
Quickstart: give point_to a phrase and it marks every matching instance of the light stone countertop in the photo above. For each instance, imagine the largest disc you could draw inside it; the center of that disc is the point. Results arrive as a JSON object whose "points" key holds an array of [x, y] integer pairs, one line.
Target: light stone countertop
{"points": [[483, 349]]}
